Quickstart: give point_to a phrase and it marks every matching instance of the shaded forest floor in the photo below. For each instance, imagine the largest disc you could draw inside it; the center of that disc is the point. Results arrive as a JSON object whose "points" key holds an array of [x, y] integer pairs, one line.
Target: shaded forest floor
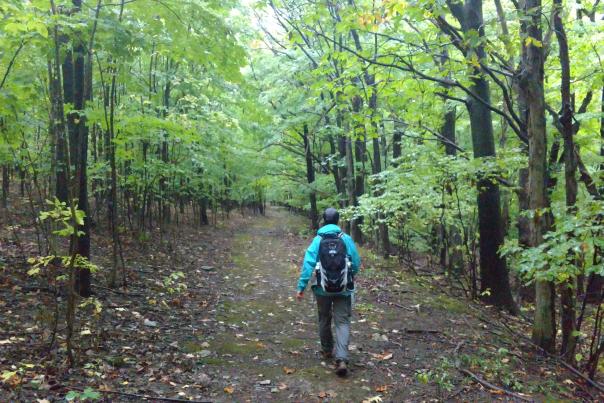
{"points": [[237, 334]]}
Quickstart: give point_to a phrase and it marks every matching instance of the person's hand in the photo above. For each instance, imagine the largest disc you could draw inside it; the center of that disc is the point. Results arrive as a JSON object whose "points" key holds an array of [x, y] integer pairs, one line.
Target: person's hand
{"points": [[299, 295]]}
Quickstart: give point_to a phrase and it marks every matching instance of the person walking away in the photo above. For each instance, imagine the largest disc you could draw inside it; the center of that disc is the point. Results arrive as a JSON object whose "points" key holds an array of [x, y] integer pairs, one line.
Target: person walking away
{"points": [[332, 261]]}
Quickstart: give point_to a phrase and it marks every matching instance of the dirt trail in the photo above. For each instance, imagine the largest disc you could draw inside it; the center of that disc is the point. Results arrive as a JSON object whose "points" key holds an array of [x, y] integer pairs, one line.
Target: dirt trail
{"points": [[264, 335], [237, 334]]}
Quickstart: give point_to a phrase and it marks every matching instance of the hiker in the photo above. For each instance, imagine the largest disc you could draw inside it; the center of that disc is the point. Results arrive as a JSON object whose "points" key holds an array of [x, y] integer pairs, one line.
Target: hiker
{"points": [[332, 261]]}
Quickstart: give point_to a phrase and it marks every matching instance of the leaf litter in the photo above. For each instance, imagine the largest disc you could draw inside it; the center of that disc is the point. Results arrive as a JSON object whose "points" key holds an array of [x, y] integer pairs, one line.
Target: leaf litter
{"points": [[235, 332]]}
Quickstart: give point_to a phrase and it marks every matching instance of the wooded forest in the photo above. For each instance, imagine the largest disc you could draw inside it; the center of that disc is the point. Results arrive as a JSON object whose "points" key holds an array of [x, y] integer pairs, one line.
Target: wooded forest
{"points": [[164, 163]]}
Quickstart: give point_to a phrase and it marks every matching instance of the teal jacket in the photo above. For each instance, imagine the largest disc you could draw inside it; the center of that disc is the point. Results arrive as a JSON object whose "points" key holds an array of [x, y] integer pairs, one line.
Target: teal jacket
{"points": [[312, 255]]}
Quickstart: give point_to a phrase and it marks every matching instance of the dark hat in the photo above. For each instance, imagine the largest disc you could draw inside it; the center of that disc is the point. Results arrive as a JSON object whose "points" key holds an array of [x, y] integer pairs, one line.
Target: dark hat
{"points": [[331, 216]]}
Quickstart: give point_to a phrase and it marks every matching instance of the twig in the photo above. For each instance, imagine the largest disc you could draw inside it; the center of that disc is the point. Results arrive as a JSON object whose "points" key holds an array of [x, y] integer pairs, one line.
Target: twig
{"points": [[413, 331], [458, 347], [402, 306], [493, 387], [11, 64]]}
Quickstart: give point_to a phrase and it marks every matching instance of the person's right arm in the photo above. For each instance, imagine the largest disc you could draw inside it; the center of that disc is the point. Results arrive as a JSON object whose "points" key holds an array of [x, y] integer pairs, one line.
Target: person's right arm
{"points": [[310, 261]]}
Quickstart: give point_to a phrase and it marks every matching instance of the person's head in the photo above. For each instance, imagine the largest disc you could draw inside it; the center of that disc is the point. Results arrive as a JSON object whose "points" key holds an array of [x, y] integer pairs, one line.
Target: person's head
{"points": [[331, 216]]}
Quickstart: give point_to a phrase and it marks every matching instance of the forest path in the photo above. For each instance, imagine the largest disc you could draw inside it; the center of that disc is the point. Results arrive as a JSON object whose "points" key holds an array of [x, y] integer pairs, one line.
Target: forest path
{"points": [[235, 333], [265, 346]]}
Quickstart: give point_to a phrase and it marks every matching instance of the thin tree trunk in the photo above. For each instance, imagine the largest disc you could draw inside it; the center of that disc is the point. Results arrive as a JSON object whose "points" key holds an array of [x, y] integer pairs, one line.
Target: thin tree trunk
{"points": [[544, 333], [310, 177], [358, 170], [342, 167], [567, 289], [113, 178], [82, 72], [397, 137], [350, 183], [5, 185]]}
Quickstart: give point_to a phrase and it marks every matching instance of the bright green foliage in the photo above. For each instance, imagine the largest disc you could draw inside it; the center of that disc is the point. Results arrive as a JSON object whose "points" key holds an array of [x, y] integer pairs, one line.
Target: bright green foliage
{"points": [[87, 395], [568, 250], [61, 214]]}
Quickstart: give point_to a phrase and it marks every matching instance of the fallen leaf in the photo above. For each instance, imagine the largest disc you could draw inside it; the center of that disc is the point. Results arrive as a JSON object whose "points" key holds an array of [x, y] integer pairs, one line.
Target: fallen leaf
{"points": [[381, 389], [229, 389], [382, 357], [149, 323], [11, 378], [288, 371]]}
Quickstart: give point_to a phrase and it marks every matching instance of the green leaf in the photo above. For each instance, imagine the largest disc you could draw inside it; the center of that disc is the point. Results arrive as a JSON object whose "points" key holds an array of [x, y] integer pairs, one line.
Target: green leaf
{"points": [[90, 394], [71, 395]]}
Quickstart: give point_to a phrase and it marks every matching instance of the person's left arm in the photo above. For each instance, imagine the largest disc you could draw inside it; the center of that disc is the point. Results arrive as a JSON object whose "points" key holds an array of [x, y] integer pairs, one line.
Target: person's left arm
{"points": [[355, 258]]}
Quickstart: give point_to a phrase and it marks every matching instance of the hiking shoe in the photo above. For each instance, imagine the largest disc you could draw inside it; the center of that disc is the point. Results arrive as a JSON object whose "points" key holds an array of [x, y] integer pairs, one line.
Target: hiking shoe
{"points": [[341, 369], [326, 355]]}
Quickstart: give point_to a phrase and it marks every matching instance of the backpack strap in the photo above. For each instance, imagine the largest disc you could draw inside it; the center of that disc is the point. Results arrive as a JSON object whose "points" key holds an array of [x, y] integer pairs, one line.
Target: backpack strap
{"points": [[329, 235]]}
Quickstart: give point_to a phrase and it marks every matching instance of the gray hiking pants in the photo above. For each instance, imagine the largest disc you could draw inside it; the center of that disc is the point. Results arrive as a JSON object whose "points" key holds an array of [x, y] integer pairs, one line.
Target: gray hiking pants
{"points": [[340, 308]]}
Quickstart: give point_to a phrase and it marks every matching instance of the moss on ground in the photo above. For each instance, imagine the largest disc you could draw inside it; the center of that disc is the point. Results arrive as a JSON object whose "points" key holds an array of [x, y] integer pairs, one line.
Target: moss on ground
{"points": [[449, 304], [312, 373], [239, 348], [293, 343]]}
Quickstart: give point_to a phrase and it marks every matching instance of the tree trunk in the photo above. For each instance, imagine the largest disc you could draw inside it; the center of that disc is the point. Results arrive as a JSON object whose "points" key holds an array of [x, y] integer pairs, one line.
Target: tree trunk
{"points": [[310, 177], [358, 172], [544, 333], [397, 137], [164, 149], [567, 289], [495, 285], [383, 235], [68, 98], [344, 171], [5, 185], [58, 124], [342, 167], [110, 143], [448, 129], [451, 249], [81, 93], [352, 200]]}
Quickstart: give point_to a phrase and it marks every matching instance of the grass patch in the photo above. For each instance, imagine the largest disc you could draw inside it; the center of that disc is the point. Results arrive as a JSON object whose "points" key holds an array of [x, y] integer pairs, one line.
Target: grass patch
{"points": [[292, 343], [247, 348], [191, 347], [212, 361], [312, 373], [364, 307], [449, 304]]}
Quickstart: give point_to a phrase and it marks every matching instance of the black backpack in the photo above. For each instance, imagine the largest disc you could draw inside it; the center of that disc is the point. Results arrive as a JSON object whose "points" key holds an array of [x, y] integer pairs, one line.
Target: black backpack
{"points": [[332, 273]]}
